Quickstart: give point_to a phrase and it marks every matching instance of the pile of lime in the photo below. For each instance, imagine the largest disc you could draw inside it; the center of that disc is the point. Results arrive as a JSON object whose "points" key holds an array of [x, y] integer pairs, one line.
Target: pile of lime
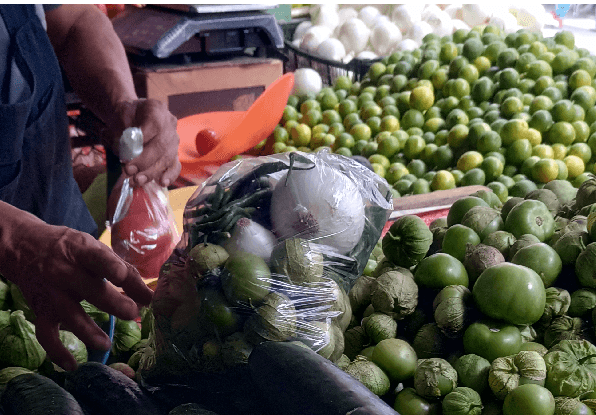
{"points": [[479, 107]]}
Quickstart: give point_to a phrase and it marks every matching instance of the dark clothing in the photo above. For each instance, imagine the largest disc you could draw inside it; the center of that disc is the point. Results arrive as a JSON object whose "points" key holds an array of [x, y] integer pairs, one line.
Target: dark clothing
{"points": [[35, 154]]}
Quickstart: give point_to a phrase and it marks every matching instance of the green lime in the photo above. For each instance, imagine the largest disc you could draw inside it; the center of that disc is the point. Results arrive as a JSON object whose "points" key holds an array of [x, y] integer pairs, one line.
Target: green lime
{"points": [[565, 38], [518, 151], [413, 147], [361, 132], [442, 158], [561, 132], [458, 135], [456, 117], [507, 58], [417, 167], [473, 177], [508, 78], [412, 118], [493, 50], [488, 141], [280, 135], [511, 106], [345, 140], [541, 120], [370, 148]]}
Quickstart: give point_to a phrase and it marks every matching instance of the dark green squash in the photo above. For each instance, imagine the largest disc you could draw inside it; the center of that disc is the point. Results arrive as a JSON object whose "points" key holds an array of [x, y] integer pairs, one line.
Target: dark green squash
{"points": [[102, 390], [34, 394]]}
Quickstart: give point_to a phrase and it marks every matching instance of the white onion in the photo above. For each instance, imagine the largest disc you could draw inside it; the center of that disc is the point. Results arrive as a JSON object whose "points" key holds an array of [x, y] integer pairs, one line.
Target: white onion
{"points": [[306, 80], [419, 30], [454, 11], [301, 29], [313, 38], [505, 21], [368, 14], [459, 24], [381, 19], [475, 14], [407, 44], [367, 54], [331, 49], [384, 38], [321, 204], [429, 11], [250, 237], [327, 17], [354, 35], [346, 14], [440, 22], [405, 16]]}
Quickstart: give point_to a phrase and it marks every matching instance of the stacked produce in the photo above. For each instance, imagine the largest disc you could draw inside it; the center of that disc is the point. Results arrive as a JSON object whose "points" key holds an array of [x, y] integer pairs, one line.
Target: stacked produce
{"points": [[488, 310], [476, 107], [342, 32]]}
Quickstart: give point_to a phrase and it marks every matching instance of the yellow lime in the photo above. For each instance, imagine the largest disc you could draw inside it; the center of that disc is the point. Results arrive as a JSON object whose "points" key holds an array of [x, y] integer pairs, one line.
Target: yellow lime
{"points": [[422, 98], [320, 128], [534, 136], [361, 132], [581, 150], [301, 135], [559, 151], [482, 64], [544, 151], [513, 130], [545, 170], [575, 166], [442, 180], [469, 160]]}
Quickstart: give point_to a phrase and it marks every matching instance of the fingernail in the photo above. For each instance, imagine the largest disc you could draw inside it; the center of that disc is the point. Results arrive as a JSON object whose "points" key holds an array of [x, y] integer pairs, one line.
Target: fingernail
{"points": [[141, 179], [130, 170], [166, 183]]}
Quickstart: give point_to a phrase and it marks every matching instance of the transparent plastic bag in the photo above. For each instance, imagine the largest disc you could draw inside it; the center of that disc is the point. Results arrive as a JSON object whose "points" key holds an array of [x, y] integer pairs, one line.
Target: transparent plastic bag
{"points": [[142, 226], [221, 292]]}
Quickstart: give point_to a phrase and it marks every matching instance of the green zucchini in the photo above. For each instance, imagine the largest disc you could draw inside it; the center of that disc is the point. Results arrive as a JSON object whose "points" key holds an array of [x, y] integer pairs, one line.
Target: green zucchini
{"points": [[34, 394], [294, 380], [102, 390]]}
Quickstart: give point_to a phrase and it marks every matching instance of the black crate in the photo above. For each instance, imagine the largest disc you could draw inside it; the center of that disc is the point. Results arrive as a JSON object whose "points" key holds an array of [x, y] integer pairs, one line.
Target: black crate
{"points": [[329, 70]]}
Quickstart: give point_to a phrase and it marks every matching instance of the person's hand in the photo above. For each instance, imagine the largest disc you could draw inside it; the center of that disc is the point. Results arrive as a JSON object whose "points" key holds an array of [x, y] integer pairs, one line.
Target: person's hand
{"points": [[56, 268], [159, 160]]}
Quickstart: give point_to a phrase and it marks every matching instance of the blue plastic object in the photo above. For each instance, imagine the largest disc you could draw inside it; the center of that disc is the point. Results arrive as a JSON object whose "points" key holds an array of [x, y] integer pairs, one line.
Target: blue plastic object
{"points": [[102, 356]]}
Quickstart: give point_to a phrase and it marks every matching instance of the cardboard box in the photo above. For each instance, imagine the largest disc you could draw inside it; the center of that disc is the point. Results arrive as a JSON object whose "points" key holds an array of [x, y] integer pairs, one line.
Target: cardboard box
{"points": [[228, 85]]}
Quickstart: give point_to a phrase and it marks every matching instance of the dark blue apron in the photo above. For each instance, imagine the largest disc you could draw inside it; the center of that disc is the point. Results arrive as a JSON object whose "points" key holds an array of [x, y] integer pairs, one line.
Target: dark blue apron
{"points": [[34, 132]]}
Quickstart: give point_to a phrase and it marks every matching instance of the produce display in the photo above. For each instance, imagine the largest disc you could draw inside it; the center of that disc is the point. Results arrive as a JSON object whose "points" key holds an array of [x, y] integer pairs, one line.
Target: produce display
{"points": [[505, 328], [509, 110]]}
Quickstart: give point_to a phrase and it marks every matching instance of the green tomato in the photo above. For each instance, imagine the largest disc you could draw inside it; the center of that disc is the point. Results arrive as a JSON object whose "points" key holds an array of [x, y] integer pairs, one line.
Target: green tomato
{"points": [[492, 339], [408, 402], [529, 399], [440, 270], [511, 293], [533, 217]]}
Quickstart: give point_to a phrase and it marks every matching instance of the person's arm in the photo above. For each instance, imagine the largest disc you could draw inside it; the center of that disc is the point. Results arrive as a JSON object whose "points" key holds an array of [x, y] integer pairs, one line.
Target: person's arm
{"points": [[56, 268], [95, 63]]}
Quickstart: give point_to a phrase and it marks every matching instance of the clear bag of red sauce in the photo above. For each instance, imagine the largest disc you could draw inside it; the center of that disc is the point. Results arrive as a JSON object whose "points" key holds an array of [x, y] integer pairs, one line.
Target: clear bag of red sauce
{"points": [[141, 221]]}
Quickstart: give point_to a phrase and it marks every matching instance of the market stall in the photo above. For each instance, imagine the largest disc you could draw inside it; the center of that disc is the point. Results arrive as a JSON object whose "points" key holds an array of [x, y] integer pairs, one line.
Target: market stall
{"points": [[382, 209]]}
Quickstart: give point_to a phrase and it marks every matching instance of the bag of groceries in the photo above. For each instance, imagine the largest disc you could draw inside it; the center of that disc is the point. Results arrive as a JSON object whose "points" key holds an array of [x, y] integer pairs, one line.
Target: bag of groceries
{"points": [[270, 248]]}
